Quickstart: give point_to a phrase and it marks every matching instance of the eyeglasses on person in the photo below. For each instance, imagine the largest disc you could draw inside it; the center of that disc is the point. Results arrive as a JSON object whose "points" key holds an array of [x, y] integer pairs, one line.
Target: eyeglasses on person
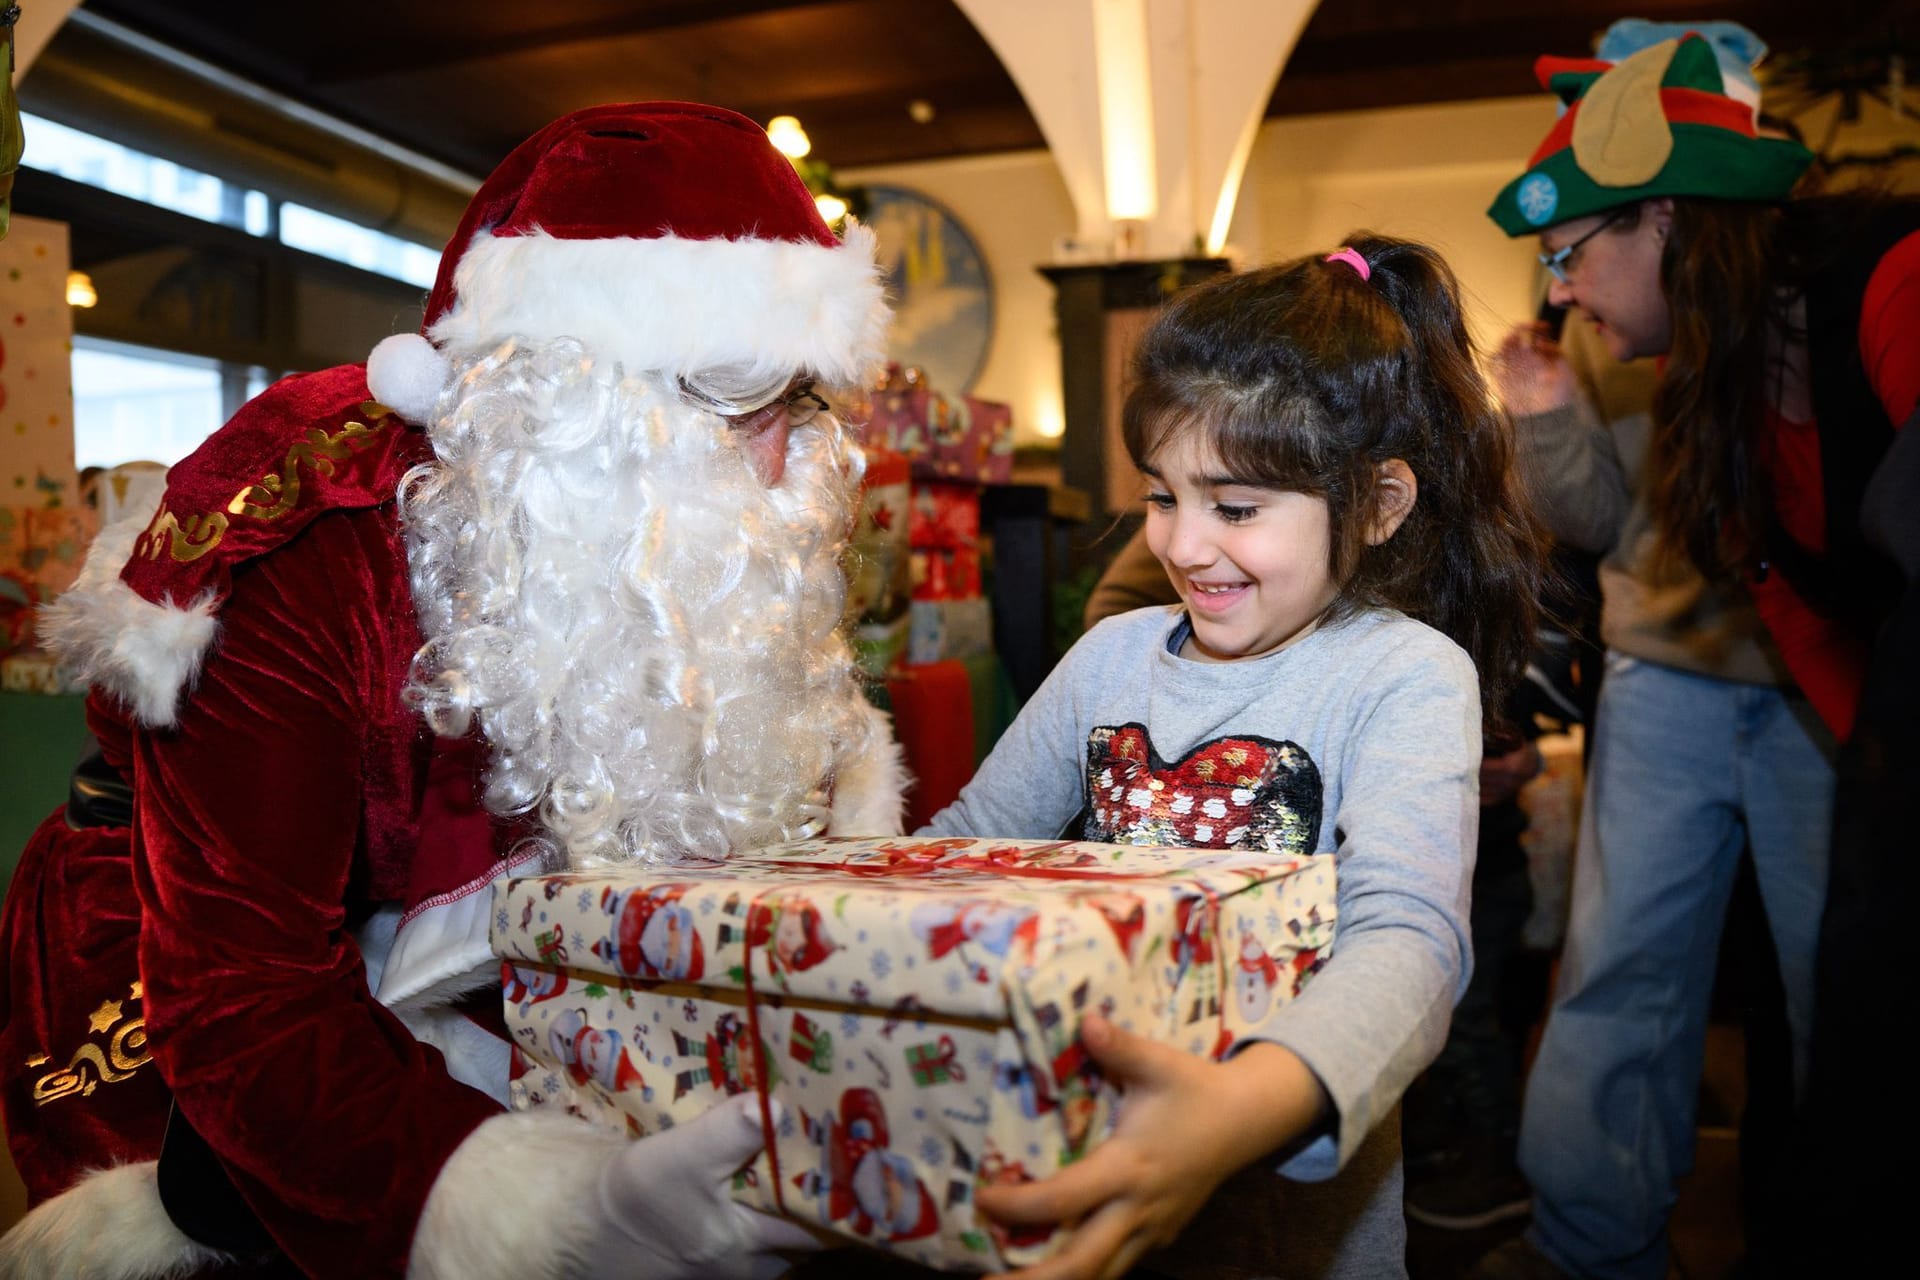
{"points": [[800, 402], [1557, 261]]}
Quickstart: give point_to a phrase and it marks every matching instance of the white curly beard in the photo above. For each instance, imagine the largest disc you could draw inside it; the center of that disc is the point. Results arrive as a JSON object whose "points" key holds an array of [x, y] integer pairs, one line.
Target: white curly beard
{"points": [[649, 636]]}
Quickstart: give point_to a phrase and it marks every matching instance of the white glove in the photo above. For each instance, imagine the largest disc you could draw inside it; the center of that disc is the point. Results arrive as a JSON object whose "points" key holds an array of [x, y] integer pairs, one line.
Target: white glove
{"points": [[660, 1208]]}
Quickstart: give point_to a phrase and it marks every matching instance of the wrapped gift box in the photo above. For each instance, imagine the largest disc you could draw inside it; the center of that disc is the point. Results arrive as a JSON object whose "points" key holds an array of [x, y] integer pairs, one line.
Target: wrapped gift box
{"points": [[959, 438], [940, 574], [913, 1004], [943, 629], [41, 552], [878, 558], [973, 441], [944, 516]]}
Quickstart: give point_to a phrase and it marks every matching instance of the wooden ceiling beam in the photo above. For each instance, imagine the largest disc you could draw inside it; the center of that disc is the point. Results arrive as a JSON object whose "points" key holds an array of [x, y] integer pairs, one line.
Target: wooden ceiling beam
{"points": [[637, 20]]}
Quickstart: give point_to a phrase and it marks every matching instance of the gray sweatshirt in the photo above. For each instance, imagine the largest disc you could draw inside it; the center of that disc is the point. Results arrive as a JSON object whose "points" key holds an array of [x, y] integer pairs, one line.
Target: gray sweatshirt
{"points": [[1586, 478], [1387, 714]]}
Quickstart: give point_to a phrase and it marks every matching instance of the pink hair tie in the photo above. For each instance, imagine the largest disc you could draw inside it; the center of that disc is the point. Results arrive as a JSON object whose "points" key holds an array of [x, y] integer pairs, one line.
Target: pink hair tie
{"points": [[1351, 256]]}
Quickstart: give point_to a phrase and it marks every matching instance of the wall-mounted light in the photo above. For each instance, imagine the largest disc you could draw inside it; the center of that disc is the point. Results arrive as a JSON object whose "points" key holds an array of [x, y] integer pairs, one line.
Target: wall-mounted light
{"points": [[788, 138], [80, 291], [832, 208]]}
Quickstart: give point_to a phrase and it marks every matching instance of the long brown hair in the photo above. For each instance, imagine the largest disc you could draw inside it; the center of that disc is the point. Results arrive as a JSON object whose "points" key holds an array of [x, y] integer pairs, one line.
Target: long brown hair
{"points": [[1719, 272], [1306, 377]]}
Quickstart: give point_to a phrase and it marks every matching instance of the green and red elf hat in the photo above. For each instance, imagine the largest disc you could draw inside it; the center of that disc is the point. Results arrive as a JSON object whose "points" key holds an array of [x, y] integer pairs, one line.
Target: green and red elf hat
{"points": [[1657, 123]]}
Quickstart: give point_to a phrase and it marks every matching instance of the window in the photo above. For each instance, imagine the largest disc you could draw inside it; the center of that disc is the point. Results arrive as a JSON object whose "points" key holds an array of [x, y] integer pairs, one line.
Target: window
{"points": [[136, 404], [81, 157], [330, 237]]}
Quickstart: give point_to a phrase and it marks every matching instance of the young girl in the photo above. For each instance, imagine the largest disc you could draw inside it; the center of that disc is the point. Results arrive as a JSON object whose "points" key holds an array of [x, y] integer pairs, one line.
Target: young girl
{"points": [[1327, 486]]}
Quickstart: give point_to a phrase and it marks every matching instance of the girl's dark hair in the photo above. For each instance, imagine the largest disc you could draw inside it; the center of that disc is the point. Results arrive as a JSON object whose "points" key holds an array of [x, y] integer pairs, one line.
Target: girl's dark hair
{"points": [[1306, 377]]}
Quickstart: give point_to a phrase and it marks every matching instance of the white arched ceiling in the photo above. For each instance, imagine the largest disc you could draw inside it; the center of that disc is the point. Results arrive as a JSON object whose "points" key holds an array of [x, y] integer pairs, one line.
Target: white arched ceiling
{"points": [[1146, 96]]}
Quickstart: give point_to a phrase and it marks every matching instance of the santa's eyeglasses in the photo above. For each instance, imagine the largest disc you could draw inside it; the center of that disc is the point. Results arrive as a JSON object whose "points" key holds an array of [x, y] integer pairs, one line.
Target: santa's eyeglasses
{"points": [[801, 403]]}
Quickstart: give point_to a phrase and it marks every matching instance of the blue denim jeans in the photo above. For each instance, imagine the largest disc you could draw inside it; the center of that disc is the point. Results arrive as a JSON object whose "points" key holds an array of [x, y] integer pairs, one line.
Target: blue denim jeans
{"points": [[1685, 771]]}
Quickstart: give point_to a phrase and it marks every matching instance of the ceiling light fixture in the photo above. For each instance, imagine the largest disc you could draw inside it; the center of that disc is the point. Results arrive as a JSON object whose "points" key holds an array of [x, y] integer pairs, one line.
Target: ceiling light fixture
{"points": [[80, 291], [831, 207], [788, 138], [920, 111]]}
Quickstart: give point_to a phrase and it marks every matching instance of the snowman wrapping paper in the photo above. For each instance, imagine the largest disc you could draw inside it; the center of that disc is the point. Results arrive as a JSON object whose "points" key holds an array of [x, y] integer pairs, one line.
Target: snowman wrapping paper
{"points": [[914, 1005]]}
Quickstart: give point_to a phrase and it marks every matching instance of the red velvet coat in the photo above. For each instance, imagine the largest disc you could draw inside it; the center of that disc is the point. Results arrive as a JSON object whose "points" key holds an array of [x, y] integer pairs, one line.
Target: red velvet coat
{"points": [[288, 801], [302, 898]]}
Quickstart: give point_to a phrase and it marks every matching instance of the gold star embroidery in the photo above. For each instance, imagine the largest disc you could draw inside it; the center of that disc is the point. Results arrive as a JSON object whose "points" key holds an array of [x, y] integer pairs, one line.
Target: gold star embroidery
{"points": [[105, 1016], [139, 991]]}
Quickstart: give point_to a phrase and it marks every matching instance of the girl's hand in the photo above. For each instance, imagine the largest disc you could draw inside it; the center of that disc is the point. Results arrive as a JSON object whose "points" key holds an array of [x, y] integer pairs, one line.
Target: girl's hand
{"points": [[1530, 373], [1185, 1124]]}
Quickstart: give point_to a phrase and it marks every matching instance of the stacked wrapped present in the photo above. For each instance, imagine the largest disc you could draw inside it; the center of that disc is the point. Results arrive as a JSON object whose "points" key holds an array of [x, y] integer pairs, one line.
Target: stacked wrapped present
{"points": [[912, 1005], [953, 446], [41, 551]]}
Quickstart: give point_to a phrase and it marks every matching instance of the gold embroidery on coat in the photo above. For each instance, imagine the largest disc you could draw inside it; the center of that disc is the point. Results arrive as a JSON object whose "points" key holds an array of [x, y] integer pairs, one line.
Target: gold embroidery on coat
{"points": [[187, 541], [276, 493], [269, 497], [90, 1066]]}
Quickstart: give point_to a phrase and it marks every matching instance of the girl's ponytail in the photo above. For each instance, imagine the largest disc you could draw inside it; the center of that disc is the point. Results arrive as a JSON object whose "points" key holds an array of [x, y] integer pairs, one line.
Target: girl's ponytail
{"points": [[1471, 559]]}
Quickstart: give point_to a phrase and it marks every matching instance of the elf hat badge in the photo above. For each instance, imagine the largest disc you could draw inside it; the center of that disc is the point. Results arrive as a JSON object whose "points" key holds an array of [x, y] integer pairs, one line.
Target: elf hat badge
{"points": [[1659, 122]]}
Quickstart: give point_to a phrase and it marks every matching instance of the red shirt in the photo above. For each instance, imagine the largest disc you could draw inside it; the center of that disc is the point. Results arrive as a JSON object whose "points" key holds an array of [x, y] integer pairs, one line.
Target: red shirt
{"points": [[1827, 658]]}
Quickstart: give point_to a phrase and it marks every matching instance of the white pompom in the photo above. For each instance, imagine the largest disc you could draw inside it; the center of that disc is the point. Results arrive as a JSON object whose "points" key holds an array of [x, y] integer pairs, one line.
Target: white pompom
{"points": [[406, 373]]}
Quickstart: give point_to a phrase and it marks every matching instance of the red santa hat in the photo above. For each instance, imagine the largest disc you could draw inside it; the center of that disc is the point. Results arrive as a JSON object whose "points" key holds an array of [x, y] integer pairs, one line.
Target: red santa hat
{"points": [[668, 236], [625, 1074]]}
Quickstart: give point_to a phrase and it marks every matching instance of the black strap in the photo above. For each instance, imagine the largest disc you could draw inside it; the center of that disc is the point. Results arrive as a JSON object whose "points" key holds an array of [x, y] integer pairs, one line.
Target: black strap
{"points": [[97, 796], [201, 1199]]}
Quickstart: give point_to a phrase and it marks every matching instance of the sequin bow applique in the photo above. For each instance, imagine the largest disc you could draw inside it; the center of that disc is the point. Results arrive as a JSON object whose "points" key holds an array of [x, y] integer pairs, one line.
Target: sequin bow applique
{"points": [[1231, 793]]}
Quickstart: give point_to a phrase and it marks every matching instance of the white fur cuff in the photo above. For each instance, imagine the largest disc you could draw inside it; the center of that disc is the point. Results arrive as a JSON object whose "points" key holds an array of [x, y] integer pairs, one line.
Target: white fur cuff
{"points": [[143, 653], [108, 1226], [513, 1199]]}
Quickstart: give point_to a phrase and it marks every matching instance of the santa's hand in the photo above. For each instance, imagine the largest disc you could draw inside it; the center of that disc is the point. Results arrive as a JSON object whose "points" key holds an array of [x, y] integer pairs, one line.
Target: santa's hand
{"points": [[662, 1210], [1186, 1124], [1531, 374]]}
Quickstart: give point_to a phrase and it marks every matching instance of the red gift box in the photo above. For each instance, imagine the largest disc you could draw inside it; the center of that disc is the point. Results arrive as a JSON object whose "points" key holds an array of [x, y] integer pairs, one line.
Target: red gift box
{"points": [[944, 515], [946, 574]]}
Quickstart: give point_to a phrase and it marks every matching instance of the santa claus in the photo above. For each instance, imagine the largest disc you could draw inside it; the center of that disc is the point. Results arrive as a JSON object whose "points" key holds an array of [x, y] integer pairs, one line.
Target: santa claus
{"points": [[653, 936], [794, 933], [556, 582], [872, 1190]]}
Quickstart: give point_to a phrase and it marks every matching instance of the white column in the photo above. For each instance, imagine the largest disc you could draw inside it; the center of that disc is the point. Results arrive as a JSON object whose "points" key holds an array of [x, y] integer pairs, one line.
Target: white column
{"points": [[1149, 106]]}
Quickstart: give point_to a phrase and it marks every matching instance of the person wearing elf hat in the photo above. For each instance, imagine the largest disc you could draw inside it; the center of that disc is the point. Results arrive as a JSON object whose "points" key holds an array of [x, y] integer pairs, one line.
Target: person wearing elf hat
{"points": [[555, 581], [1788, 328]]}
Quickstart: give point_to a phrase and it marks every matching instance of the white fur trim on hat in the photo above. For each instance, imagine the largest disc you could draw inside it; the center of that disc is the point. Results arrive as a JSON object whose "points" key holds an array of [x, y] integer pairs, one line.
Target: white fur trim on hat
{"points": [[678, 306], [108, 1226], [407, 375], [143, 653]]}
